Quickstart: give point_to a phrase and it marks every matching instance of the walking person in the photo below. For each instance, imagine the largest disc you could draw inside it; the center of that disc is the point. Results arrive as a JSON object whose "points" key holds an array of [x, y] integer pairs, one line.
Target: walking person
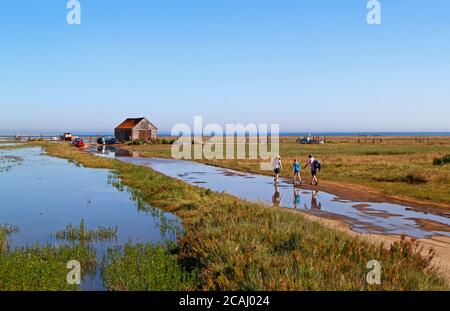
{"points": [[296, 172], [314, 164], [277, 167]]}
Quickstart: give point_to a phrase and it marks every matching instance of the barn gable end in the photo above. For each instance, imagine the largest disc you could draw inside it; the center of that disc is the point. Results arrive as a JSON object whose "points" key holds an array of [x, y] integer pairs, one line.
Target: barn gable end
{"points": [[136, 129]]}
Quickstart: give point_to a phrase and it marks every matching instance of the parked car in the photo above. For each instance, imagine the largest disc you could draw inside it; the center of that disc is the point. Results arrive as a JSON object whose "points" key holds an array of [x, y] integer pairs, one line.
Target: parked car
{"points": [[78, 143], [112, 141], [108, 141], [54, 138]]}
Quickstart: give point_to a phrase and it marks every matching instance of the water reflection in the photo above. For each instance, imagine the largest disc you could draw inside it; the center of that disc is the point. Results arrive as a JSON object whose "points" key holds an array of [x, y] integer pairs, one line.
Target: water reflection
{"points": [[276, 198], [314, 205], [46, 194], [297, 197], [364, 217]]}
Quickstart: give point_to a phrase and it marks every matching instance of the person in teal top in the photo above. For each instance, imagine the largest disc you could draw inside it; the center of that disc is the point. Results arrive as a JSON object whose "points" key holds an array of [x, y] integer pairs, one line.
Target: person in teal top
{"points": [[296, 172]]}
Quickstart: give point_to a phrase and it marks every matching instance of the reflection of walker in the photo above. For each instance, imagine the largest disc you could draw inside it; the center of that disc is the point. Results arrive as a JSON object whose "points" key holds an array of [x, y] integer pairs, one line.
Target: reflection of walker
{"points": [[276, 198], [297, 197], [314, 204]]}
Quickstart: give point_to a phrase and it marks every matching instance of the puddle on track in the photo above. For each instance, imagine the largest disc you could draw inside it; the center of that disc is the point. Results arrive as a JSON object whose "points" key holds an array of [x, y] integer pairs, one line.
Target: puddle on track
{"points": [[42, 195], [363, 217]]}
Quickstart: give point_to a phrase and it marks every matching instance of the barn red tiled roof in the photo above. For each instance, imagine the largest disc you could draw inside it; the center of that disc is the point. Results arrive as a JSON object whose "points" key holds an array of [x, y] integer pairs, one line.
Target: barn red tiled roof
{"points": [[130, 123]]}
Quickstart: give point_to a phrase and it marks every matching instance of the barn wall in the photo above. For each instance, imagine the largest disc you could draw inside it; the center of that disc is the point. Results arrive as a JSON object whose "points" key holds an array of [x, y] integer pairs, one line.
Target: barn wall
{"points": [[122, 134], [153, 134], [141, 134], [135, 135]]}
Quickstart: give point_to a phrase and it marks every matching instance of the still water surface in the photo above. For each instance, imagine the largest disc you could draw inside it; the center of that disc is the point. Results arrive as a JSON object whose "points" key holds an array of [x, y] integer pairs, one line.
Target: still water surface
{"points": [[42, 195]]}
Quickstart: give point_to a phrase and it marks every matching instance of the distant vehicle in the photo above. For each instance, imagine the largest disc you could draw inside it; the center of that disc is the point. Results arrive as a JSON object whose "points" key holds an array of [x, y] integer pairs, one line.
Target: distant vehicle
{"points": [[66, 137], [307, 140], [112, 141], [54, 138], [108, 141], [79, 143]]}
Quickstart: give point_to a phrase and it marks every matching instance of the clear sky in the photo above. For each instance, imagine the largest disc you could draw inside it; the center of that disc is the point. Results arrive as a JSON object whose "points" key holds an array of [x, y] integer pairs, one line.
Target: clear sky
{"points": [[309, 65]]}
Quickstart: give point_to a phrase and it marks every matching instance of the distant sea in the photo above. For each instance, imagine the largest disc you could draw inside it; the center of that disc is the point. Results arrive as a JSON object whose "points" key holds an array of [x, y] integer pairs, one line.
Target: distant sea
{"points": [[329, 134]]}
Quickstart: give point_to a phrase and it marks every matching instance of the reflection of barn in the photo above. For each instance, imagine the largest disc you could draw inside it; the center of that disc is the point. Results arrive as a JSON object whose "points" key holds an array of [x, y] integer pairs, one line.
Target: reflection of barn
{"points": [[136, 129]]}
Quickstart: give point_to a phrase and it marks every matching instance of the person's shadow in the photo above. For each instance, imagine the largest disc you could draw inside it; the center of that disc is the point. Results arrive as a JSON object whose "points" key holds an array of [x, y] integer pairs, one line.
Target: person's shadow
{"points": [[276, 198]]}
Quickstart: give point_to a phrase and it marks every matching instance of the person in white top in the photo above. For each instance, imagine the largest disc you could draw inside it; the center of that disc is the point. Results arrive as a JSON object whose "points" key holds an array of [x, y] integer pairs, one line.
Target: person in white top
{"points": [[312, 165], [277, 167]]}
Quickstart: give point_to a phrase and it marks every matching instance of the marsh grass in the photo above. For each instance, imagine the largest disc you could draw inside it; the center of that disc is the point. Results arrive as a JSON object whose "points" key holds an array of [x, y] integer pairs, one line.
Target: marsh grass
{"points": [[442, 161], [83, 235], [145, 267], [232, 244], [8, 162], [241, 246], [40, 267], [6, 231]]}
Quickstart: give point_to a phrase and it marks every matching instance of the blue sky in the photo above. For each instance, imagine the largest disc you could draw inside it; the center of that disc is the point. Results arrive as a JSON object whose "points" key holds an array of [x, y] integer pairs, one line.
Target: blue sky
{"points": [[309, 65]]}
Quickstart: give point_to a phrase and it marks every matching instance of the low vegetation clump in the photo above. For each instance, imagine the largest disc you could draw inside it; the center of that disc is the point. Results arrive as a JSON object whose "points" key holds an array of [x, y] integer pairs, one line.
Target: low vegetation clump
{"points": [[442, 161], [232, 244], [83, 235], [6, 231], [40, 267], [136, 142], [8, 162], [165, 141], [415, 177], [158, 141], [145, 267]]}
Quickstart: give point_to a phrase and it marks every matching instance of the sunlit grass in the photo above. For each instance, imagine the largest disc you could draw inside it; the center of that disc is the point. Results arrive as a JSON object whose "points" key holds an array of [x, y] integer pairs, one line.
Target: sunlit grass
{"points": [[40, 267], [145, 267]]}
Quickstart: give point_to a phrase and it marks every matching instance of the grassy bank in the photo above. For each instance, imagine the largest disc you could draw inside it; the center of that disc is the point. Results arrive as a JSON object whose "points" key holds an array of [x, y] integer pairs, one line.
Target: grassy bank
{"points": [[231, 244], [400, 166], [145, 267], [40, 267]]}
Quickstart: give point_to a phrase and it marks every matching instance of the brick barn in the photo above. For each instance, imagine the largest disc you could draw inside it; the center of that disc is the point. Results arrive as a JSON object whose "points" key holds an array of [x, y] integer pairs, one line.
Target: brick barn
{"points": [[136, 129]]}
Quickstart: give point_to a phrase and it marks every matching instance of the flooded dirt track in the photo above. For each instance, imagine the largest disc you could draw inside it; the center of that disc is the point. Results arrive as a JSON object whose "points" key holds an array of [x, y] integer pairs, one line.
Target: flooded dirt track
{"points": [[362, 217], [42, 195]]}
